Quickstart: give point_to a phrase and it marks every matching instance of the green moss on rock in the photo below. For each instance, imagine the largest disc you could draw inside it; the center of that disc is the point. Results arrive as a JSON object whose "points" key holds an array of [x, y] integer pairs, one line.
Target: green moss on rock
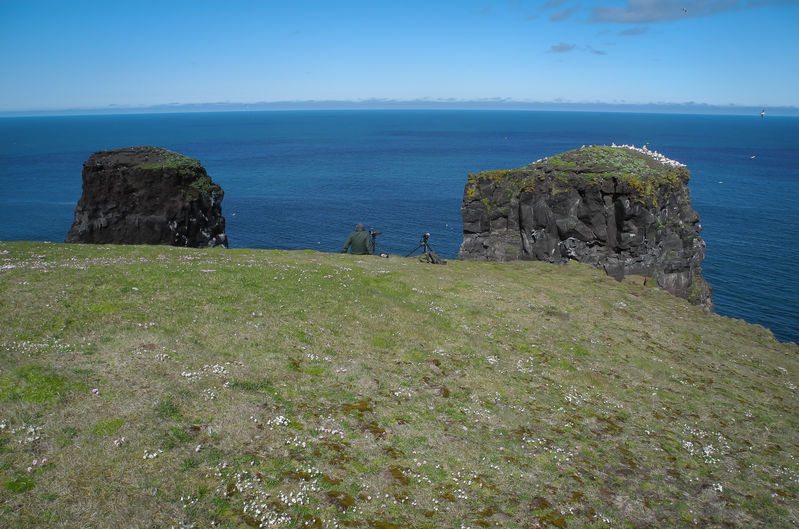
{"points": [[189, 169], [587, 166], [160, 158]]}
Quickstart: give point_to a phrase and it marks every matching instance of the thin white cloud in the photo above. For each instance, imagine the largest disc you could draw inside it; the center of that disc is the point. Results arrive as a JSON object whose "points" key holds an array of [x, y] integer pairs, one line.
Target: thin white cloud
{"points": [[562, 47], [559, 16], [595, 51], [648, 11], [633, 32], [565, 47]]}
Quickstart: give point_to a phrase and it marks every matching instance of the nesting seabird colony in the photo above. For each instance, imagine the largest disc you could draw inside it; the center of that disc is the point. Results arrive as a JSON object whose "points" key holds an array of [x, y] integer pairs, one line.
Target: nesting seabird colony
{"points": [[643, 150], [652, 154]]}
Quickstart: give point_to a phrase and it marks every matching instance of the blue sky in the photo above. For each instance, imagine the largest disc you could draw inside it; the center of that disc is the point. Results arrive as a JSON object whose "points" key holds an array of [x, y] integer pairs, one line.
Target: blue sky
{"points": [[81, 54]]}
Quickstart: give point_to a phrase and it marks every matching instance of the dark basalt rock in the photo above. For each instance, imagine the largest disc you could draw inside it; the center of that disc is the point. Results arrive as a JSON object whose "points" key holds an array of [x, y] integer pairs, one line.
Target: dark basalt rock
{"points": [[148, 195], [621, 209]]}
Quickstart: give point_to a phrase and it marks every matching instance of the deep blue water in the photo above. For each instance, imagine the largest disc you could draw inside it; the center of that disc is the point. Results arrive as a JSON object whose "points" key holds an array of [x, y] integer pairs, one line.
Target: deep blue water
{"points": [[302, 179]]}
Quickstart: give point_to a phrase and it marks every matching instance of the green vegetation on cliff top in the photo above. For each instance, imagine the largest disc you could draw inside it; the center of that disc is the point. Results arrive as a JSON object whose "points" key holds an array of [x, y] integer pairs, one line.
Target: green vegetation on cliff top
{"points": [[166, 159], [589, 165], [161, 386], [190, 169]]}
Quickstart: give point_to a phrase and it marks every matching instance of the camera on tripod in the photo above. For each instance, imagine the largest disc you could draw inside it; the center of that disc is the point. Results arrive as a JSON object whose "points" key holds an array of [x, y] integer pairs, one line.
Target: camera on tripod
{"points": [[423, 245], [374, 234]]}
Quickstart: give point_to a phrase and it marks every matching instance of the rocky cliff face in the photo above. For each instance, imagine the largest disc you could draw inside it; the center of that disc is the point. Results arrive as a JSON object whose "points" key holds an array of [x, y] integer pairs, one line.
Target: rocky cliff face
{"points": [[622, 209], [148, 195]]}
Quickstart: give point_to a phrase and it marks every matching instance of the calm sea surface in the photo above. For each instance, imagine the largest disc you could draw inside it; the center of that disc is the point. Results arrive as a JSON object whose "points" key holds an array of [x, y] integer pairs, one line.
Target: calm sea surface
{"points": [[303, 179]]}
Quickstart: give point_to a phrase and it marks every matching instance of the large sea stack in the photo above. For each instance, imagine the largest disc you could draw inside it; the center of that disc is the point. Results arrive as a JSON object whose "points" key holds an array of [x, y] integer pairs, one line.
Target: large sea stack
{"points": [[623, 209], [148, 195]]}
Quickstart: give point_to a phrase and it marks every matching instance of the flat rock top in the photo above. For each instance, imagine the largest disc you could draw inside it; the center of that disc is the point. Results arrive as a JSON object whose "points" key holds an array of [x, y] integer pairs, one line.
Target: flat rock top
{"points": [[592, 165], [625, 160], [144, 157]]}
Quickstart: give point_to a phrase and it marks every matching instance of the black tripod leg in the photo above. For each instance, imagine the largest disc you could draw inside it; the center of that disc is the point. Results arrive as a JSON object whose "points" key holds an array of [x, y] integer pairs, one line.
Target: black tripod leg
{"points": [[411, 252]]}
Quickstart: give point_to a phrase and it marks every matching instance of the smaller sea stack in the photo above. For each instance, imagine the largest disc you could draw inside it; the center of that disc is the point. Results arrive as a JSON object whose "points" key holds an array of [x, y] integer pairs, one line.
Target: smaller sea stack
{"points": [[148, 195]]}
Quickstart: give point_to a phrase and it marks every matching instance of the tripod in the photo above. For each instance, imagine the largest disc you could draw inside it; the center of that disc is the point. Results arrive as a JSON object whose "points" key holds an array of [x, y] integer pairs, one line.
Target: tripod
{"points": [[374, 234], [423, 245]]}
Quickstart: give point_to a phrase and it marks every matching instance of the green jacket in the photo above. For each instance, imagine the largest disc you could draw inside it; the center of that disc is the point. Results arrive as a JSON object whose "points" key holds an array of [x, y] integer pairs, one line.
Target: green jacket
{"points": [[360, 243]]}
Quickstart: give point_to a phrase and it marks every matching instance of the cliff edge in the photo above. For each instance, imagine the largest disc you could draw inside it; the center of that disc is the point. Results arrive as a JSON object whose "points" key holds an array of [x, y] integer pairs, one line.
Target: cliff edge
{"points": [[620, 208], [148, 195]]}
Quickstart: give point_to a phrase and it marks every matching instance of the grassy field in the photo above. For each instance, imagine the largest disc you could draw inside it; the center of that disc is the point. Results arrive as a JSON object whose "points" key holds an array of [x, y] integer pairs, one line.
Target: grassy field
{"points": [[170, 387]]}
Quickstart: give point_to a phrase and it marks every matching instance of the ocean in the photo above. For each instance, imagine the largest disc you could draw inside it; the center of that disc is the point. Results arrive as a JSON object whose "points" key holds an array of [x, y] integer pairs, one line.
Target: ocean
{"points": [[303, 179]]}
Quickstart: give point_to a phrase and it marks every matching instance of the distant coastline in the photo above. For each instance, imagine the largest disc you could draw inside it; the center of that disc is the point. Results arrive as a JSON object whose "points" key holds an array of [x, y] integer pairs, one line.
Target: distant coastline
{"points": [[417, 104]]}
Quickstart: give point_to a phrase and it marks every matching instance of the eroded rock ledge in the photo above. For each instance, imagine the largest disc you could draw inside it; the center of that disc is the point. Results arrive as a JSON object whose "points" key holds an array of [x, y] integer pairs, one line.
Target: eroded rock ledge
{"points": [[618, 208], [148, 195]]}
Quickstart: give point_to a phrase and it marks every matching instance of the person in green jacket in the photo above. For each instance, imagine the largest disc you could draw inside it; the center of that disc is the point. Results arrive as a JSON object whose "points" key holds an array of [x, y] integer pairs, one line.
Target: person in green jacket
{"points": [[358, 242]]}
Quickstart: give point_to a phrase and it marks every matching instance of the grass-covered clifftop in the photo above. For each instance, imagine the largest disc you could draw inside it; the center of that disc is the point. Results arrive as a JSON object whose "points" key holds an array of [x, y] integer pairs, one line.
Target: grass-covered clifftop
{"points": [[637, 170], [161, 386], [191, 170]]}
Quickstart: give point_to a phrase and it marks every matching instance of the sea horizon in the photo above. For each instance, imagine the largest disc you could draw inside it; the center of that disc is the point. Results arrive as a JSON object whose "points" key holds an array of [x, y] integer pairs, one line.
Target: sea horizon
{"points": [[495, 104]]}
